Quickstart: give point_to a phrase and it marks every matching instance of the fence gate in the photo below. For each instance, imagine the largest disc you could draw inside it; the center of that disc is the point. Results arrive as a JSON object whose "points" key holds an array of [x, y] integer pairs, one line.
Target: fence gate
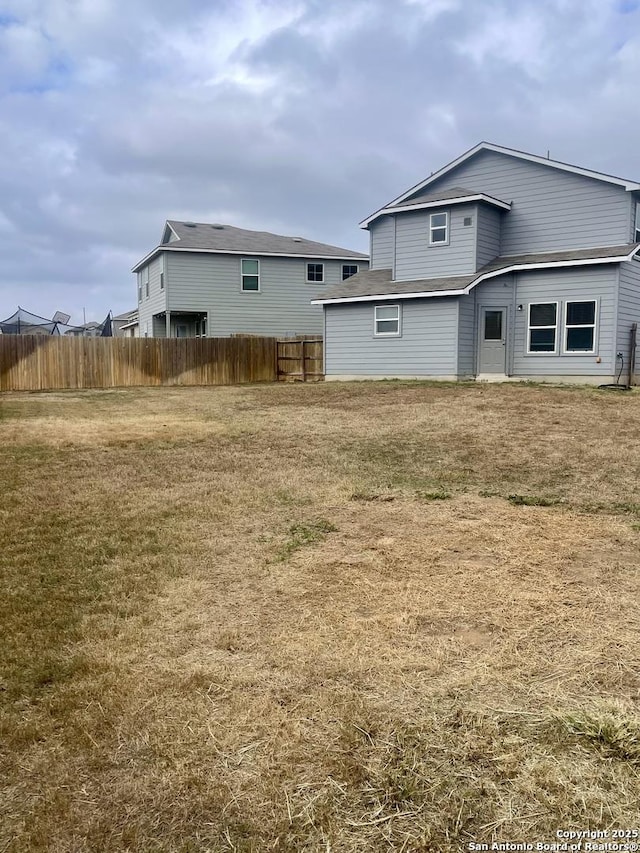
{"points": [[300, 360]]}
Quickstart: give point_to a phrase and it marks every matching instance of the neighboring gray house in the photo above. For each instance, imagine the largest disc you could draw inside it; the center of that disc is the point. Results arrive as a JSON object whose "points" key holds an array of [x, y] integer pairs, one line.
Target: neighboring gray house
{"points": [[125, 325], [216, 280], [501, 264]]}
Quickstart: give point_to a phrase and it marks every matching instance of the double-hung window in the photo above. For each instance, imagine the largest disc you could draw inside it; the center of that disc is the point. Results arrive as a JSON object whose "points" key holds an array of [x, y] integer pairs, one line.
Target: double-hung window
{"points": [[348, 270], [386, 320], [139, 287], [580, 326], [542, 330], [251, 275], [315, 273], [438, 229], [146, 281], [161, 264]]}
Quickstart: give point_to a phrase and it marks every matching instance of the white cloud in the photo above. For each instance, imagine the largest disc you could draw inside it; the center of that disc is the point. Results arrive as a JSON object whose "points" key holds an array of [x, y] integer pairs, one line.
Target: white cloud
{"points": [[299, 116]]}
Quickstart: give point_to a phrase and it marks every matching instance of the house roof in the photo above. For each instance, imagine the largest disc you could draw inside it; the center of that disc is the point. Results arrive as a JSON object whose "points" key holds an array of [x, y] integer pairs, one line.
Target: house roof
{"points": [[227, 239], [371, 285], [511, 152], [457, 195]]}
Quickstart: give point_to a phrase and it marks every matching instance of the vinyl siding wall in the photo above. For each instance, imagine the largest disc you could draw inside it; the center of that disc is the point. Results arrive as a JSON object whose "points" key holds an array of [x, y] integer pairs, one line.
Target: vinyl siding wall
{"points": [[551, 209], [488, 229], [628, 311], [211, 283], [427, 347], [577, 284], [466, 335], [156, 301], [382, 243], [416, 258]]}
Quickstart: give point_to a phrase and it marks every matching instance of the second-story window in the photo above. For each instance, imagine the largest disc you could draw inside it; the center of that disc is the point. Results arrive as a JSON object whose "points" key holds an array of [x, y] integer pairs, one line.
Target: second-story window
{"points": [[161, 260], [637, 237], [315, 273], [348, 270], [139, 287], [146, 281], [251, 275], [438, 229]]}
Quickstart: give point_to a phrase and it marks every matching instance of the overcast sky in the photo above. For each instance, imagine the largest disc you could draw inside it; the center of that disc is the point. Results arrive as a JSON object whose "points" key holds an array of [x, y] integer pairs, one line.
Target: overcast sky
{"points": [[296, 117]]}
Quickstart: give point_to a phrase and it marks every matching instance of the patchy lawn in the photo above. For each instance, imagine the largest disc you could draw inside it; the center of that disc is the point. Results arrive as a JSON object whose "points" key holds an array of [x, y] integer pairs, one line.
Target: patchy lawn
{"points": [[333, 617]]}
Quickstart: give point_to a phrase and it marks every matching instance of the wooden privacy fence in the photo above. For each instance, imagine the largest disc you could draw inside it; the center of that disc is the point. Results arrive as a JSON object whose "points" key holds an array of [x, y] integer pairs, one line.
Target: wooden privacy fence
{"points": [[300, 360], [35, 363]]}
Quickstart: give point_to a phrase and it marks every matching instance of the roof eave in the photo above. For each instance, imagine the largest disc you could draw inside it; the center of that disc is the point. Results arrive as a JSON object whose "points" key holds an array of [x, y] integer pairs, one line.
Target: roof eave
{"points": [[630, 186], [469, 199], [617, 259], [247, 252]]}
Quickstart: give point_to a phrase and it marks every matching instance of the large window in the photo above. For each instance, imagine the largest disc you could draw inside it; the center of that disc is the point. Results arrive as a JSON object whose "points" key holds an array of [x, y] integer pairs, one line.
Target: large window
{"points": [[315, 273], [543, 327], [438, 229], [580, 326], [348, 270], [251, 275], [386, 320]]}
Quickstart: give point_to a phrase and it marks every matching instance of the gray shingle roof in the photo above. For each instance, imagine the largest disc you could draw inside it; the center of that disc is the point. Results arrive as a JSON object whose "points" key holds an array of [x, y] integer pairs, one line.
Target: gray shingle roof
{"points": [[208, 237], [201, 235], [380, 283], [444, 195]]}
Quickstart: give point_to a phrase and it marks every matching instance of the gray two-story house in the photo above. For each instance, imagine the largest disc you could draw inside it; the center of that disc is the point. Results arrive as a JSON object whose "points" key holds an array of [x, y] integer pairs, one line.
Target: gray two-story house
{"points": [[206, 280], [501, 264]]}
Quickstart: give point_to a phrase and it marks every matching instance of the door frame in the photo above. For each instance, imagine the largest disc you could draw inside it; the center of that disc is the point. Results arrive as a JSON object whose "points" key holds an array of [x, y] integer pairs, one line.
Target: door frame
{"points": [[480, 336]]}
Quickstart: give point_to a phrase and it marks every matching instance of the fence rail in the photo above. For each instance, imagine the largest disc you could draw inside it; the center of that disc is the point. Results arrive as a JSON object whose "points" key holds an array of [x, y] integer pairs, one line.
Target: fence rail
{"points": [[34, 363]]}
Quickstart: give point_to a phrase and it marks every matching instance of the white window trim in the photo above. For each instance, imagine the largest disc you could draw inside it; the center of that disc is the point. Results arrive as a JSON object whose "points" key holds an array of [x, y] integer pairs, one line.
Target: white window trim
{"points": [[378, 334], [636, 232], [242, 276], [357, 266], [161, 271], [594, 326], [556, 327], [433, 228], [315, 264]]}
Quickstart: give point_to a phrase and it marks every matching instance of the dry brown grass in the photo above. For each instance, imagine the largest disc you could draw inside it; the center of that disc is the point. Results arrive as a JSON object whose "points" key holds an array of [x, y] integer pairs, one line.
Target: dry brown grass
{"points": [[325, 618]]}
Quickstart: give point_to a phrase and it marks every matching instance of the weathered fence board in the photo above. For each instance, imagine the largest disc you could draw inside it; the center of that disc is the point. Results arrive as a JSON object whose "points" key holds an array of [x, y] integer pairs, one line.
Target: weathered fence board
{"points": [[38, 363], [300, 360]]}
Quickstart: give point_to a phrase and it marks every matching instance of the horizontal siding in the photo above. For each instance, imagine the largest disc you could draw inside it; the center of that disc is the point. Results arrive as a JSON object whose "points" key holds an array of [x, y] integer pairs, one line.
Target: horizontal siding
{"points": [[628, 309], [212, 284], [581, 283], [489, 221], [551, 209], [382, 243], [428, 345], [415, 258], [466, 334], [155, 303]]}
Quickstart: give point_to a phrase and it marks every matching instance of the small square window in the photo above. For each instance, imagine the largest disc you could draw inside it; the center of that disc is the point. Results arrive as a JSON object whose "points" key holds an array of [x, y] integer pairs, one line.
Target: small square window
{"points": [[580, 326], [348, 270], [467, 221], [251, 275], [315, 273], [386, 320], [543, 325], [438, 229]]}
